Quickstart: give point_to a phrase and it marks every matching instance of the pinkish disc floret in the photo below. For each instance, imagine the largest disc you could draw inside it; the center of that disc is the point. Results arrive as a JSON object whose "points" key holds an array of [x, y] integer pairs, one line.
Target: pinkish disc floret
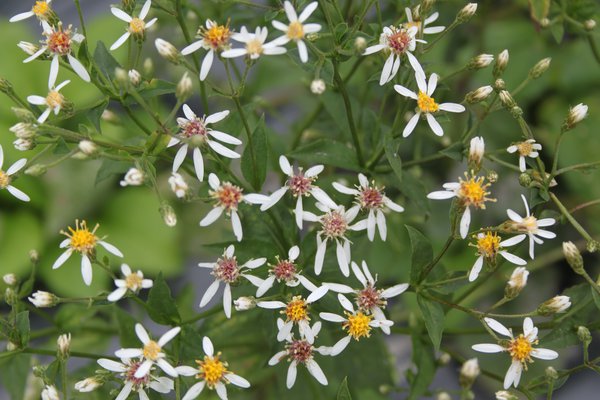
{"points": [[284, 270], [300, 185], [334, 224], [399, 41], [226, 269], [369, 298], [193, 128], [371, 197], [300, 351], [129, 375]]}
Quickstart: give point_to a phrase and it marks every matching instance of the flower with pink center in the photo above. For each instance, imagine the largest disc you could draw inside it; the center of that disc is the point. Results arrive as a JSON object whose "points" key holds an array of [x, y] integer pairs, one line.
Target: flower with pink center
{"points": [[228, 197], [299, 184], [194, 132], [127, 369], [227, 270], [370, 299], [530, 226], [372, 198]]}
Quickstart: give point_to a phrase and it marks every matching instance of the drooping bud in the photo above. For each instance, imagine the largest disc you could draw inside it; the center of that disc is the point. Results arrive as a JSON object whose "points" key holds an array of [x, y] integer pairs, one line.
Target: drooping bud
{"points": [[360, 44], [516, 283], [469, 372], [36, 170], [185, 88], [28, 48], [539, 68], [444, 359], [476, 152], [318, 86], [133, 177], [555, 305], [479, 94], [506, 99], [24, 114], [42, 299], [551, 373], [24, 144], [24, 130], [88, 147], [244, 303], [501, 63], [167, 51], [466, 13], [50, 393], [178, 185], [88, 385], [10, 279], [480, 61], [499, 84], [64, 346], [573, 257], [575, 116], [5, 86], [134, 77], [589, 25], [168, 214]]}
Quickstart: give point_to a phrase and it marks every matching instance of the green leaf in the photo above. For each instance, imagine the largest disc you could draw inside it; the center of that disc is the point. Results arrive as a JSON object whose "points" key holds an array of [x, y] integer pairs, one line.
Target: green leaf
{"points": [[558, 31], [108, 168], [454, 151], [596, 297], [126, 324], [161, 305], [94, 113], [327, 151], [343, 392], [433, 315], [424, 359], [61, 147], [255, 157], [23, 329], [539, 9], [422, 253], [413, 188], [15, 371], [105, 61], [391, 152]]}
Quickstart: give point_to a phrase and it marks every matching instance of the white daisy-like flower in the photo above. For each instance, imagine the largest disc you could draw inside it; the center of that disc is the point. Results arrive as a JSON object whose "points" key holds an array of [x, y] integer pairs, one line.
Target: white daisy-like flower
{"points": [[426, 104], [369, 299], [530, 225], [178, 185], [412, 20], [5, 176], [296, 30], [528, 148], [227, 270], [228, 197], [133, 281], [133, 177], [127, 369], [489, 245], [194, 132], [212, 373], [372, 198], [299, 184], [255, 44], [471, 192], [137, 27], [357, 322], [284, 271], [398, 41], [300, 351], [520, 349], [59, 43], [296, 312], [214, 38], [152, 352], [83, 241], [41, 9], [54, 101]]}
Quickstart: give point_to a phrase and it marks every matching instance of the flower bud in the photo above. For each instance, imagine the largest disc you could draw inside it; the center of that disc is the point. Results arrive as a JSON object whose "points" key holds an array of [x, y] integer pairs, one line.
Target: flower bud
{"points": [[480, 61], [148, 67], [469, 372], [244, 303], [516, 283], [167, 51], [544, 22], [109, 116], [168, 214], [50, 393], [10, 279], [24, 130], [573, 257], [479, 94], [24, 114], [501, 63], [505, 395], [121, 76], [444, 359], [592, 246], [10, 346], [28, 48], [551, 373], [64, 346], [10, 297], [178, 185], [43, 299], [185, 88], [539, 68], [133, 177], [466, 13], [557, 304], [584, 335], [575, 116], [589, 25], [499, 84], [134, 77], [36, 170], [525, 179], [516, 112], [506, 99], [88, 147], [5, 86], [88, 385], [317, 86], [476, 151], [443, 396], [34, 256], [128, 6], [492, 176], [360, 44], [24, 144]]}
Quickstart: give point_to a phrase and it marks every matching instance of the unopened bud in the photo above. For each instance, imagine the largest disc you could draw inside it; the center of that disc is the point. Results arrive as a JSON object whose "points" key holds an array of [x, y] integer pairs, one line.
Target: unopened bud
{"points": [[134, 77], [5, 86], [592, 246], [10, 346], [469, 372], [10, 297], [480, 61], [466, 13], [575, 116], [148, 67], [516, 112], [88, 147], [584, 335], [24, 144], [167, 51], [476, 152], [539, 68], [34, 256], [24, 114], [544, 22], [109, 116], [168, 214], [24, 130], [501, 63], [589, 25], [128, 6], [551, 373], [506, 99], [479, 94], [318, 86], [43, 299], [10, 279], [36, 170], [505, 395], [499, 84], [492, 176], [133, 177], [525, 179], [121, 76], [516, 283], [185, 88], [557, 304], [244, 303], [360, 44], [178, 185], [444, 359], [573, 257], [64, 345], [28, 48], [88, 385], [50, 393], [443, 396]]}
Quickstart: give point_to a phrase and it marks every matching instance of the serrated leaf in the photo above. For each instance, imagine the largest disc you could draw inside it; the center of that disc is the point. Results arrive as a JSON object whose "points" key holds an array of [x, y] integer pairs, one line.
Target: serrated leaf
{"points": [[433, 315], [160, 305], [343, 392], [421, 253], [327, 151], [105, 61], [255, 157], [391, 152]]}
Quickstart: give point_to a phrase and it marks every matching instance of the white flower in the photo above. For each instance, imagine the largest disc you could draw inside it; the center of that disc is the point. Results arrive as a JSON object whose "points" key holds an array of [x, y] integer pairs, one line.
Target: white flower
{"points": [[520, 349], [59, 43], [128, 370], [530, 225], [5, 177], [470, 192], [83, 241], [296, 312], [528, 148], [318, 86], [557, 304], [423, 24], [54, 101], [372, 198], [576, 115], [134, 77], [299, 184], [214, 38], [426, 104], [255, 44], [133, 281], [137, 26], [178, 185], [41, 9], [300, 351], [357, 322], [151, 353], [227, 270], [87, 385], [476, 150], [397, 41], [64, 344], [195, 132], [133, 177], [296, 30], [369, 299], [516, 283], [42, 299], [228, 197], [489, 245], [212, 373], [50, 393]]}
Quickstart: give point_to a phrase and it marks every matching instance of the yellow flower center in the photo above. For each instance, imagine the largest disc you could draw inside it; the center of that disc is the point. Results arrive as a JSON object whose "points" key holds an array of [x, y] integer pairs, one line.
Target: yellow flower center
{"points": [[151, 350], [529, 224], [520, 349], [54, 99], [489, 244], [473, 191], [40, 8], [137, 26], [358, 325], [525, 148], [217, 36], [426, 103], [133, 281], [4, 180], [211, 370], [295, 30], [296, 310], [409, 25], [254, 47], [82, 239]]}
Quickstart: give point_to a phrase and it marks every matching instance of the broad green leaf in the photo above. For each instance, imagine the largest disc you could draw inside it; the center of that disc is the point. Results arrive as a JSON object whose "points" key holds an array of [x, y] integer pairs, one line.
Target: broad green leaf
{"points": [[327, 151], [539, 9], [105, 61], [126, 325], [558, 31], [422, 253], [433, 314], [343, 391], [391, 152], [109, 167], [424, 359], [454, 151], [23, 329], [596, 297], [161, 305], [95, 113], [15, 370], [61, 147], [412, 186], [255, 157]]}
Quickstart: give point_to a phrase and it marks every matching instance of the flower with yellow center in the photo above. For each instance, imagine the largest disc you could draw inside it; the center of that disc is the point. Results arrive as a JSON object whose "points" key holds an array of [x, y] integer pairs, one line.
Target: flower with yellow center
{"points": [[151, 353], [414, 21], [214, 38], [83, 241], [296, 30], [136, 25], [41, 9], [54, 101], [488, 246], [212, 373], [528, 148], [5, 176], [133, 281], [530, 226], [519, 348], [255, 44]]}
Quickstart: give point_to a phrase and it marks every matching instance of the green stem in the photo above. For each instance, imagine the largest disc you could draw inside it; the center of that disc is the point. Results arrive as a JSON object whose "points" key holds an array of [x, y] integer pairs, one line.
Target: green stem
{"points": [[81, 22], [569, 217], [576, 167], [349, 115], [434, 262]]}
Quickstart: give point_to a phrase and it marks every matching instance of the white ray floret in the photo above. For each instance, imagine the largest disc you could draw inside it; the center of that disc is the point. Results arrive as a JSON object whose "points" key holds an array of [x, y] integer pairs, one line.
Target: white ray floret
{"points": [[255, 45], [489, 245], [423, 25], [296, 30], [132, 281], [5, 176], [530, 226], [137, 26], [41, 9]]}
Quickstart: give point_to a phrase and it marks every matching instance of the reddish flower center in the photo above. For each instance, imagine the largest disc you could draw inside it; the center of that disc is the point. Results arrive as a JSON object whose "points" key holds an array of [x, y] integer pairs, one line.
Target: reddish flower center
{"points": [[300, 185], [130, 375], [193, 128], [371, 197], [368, 298], [59, 42], [228, 196], [226, 269], [284, 270], [399, 41], [334, 224], [300, 351]]}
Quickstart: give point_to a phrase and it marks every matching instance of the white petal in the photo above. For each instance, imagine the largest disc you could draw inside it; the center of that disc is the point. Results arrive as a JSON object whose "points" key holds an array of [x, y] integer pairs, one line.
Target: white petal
{"points": [[122, 15], [513, 375], [308, 285], [189, 114], [222, 150], [410, 126], [338, 287], [227, 300], [514, 216], [207, 346], [542, 222], [35, 55], [302, 51], [111, 365], [237, 380], [319, 257], [342, 260], [198, 164], [86, 269], [192, 47], [168, 336], [179, 157], [419, 73], [452, 107], [142, 334], [212, 216], [265, 286], [289, 11], [316, 371], [145, 9], [488, 348], [332, 317], [544, 354], [317, 294], [432, 84], [166, 367], [434, 125], [256, 198], [394, 290], [117, 294], [21, 16], [522, 164], [124, 393], [194, 391], [206, 64], [465, 221], [129, 353], [308, 10], [234, 53], [381, 224], [371, 222], [512, 258], [498, 327], [277, 357], [405, 92], [78, 68], [359, 275], [513, 240], [37, 100], [291, 375], [224, 137], [271, 305], [110, 248], [476, 269], [216, 117], [545, 234], [143, 369], [53, 72], [17, 193], [387, 70], [236, 224], [373, 49], [345, 303], [285, 331], [119, 42], [209, 294]]}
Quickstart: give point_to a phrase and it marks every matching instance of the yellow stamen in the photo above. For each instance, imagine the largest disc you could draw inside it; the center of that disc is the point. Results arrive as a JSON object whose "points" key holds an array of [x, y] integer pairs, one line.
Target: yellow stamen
{"points": [[254, 47], [296, 309], [473, 192], [54, 99], [137, 26], [4, 180], [426, 103], [525, 148], [217, 36], [211, 370], [151, 350], [295, 30], [488, 245], [358, 325], [40, 8], [133, 281], [520, 349], [82, 239]]}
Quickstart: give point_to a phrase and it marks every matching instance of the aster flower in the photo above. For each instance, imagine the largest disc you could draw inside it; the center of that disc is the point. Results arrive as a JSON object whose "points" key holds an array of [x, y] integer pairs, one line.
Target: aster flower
{"points": [[137, 26], [195, 132], [530, 225], [357, 322], [299, 184], [520, 349], [127, 369], [489, 245], [54, 101], [5, 176], [528, 148], [296, 30], [470, 192], [300, 351], [82, 240], [414, 20], [41, 10], [227, 270], [151, 353], [214, 38], [59, 43], [255, 45], [372, 198], [369, 299], [426, 104], [133, 281], [296, 311]]}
